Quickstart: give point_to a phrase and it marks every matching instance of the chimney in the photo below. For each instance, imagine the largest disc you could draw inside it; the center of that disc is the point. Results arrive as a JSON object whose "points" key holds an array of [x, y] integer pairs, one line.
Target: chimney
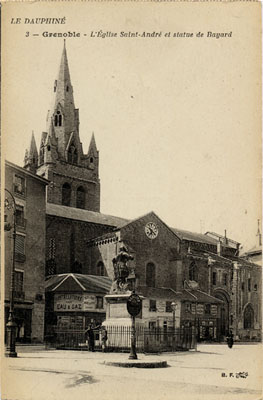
{"points": [[225, 239], [219, 247]]}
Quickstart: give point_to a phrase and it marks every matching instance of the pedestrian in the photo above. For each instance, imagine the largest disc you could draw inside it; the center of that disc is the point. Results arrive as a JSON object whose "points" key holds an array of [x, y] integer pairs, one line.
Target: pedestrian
{"points": [[90, 337], [230, 339], [104, 337]]}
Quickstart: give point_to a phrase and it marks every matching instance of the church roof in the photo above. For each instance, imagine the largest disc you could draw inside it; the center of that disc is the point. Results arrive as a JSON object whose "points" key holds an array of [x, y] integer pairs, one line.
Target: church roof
{"points": [[84, 215]]}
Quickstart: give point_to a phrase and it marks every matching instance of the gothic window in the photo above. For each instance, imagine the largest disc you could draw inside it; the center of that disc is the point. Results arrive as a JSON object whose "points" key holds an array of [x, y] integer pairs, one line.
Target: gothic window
{"points": [[66, 194], [150, 275], [192, 272], [72, 155], [80, 203], [100, 270], [58, 119], [248, 317], [249, 284]]}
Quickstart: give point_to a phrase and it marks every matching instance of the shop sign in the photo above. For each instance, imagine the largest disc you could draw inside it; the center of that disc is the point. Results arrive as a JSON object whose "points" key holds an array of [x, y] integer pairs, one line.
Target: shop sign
{"points": [[68, 302], [89, 302], [161, 306]]}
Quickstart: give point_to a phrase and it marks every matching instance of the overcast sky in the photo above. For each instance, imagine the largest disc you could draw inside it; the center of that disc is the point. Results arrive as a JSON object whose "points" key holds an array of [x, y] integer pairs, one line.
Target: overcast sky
{"points": [[176, 120]]}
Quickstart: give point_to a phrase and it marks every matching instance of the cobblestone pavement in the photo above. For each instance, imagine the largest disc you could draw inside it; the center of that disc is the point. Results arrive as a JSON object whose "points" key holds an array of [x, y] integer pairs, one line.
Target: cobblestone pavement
{"points": [[210, 373]]}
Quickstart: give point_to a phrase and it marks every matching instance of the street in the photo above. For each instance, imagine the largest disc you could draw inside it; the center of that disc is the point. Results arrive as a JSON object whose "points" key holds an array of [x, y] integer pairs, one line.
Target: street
{"points": [[41, 374]]}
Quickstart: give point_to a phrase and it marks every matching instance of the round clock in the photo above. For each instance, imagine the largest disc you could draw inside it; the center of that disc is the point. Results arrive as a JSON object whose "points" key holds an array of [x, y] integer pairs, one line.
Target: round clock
{"points": [[151, 230]]}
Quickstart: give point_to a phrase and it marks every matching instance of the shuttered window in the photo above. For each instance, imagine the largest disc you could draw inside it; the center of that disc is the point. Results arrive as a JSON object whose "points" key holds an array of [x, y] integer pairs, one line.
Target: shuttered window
{"points": [[20, 244]]}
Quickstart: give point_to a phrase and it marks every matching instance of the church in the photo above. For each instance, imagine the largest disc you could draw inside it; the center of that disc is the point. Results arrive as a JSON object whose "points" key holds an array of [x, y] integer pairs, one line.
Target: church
{"points": [[214, 289]]}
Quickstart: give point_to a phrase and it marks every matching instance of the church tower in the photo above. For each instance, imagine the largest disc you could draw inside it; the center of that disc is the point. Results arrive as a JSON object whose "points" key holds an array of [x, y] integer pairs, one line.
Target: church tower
{"points": [[73, 175]]}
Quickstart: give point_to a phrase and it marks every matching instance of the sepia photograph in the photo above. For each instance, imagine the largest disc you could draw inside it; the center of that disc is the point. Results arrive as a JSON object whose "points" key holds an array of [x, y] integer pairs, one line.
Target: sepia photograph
{"points": [[131, 252]]}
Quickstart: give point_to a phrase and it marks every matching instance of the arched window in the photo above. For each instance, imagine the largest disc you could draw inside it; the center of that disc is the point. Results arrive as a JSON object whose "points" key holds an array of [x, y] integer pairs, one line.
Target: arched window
{"points": [[72, 155], [248, 317], [192, 272], [100, 270], [66, 194], [80, 203], [150, 275], [58, 119]]}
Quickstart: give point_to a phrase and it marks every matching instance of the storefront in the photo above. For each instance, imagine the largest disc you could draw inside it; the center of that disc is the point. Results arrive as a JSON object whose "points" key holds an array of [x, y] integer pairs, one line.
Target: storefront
{"points": [[73, 301]]}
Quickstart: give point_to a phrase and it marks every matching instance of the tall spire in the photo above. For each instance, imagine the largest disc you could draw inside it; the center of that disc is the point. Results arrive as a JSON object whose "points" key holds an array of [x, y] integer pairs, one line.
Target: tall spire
{"points": [[31, 155], [259, 234], [92, 145], [62, 87]]}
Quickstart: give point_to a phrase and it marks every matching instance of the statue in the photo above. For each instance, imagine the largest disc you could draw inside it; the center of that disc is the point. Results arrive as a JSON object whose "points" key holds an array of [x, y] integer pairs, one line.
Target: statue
{"points": [[122, 273]]}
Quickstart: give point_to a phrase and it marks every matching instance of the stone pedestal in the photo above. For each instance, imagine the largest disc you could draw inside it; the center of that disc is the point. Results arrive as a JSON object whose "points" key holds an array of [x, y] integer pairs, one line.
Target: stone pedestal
{"points": [[118, 322]]}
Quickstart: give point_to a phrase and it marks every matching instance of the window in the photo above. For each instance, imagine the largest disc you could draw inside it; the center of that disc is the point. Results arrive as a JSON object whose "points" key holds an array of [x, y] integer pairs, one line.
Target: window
{"points": [[225, 279], [18, 281], [19, 185], [20, 220], [255, 287], [242, 286], [188, 307], [100, 270], [20, 245], [80, 203], [214, 278], [99, 302], [72, 154], [58, 119], [150, 275], [249, 284], [66, 194], [152, 306], [207, 308], [168, 307], [248, 317], [193, 272]]}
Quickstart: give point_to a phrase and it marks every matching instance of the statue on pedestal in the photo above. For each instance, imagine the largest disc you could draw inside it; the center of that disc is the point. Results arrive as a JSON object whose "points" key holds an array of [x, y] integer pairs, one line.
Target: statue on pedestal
{"points": [[123, 274]]}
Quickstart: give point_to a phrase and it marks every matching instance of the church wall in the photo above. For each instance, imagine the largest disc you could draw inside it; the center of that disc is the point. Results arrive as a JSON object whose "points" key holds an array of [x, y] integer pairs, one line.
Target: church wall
{"points": [[71, 239]]}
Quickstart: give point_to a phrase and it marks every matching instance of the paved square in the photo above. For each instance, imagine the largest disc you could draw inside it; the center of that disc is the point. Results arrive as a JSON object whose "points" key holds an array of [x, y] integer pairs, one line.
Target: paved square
{"points": [[40, 374]]}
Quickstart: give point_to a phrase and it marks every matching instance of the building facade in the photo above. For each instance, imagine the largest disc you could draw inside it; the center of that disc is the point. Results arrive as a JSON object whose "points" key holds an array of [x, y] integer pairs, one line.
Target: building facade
{"points": [[28, 191], [214, 288]]}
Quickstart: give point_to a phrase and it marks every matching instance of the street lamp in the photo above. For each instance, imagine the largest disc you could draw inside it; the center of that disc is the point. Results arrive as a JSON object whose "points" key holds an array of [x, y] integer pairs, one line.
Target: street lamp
{"points": [[174, 307], [11, 325]]}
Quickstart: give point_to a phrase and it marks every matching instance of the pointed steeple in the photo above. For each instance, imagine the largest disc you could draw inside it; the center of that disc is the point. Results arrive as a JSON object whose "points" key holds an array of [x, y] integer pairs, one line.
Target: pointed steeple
{"points": [[62, 87], [92, 146], [63, 118], [31, 155]]}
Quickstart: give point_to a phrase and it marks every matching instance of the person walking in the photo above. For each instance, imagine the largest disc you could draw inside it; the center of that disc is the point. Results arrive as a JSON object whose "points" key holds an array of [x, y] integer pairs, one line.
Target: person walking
{"points": [[230, 339], [104, 337], [90, 336]]}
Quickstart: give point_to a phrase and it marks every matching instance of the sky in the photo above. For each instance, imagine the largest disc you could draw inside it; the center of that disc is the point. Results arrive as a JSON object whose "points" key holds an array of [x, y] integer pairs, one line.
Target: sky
{"points": [[177, 121]]}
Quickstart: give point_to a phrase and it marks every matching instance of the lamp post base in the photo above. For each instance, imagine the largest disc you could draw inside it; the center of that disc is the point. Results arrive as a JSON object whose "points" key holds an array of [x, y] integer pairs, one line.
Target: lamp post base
{"points": [[11, 339]]}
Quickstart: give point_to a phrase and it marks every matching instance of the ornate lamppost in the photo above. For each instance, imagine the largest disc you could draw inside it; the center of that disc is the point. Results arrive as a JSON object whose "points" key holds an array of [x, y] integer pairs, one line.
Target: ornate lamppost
{"points": [[11, 325]]}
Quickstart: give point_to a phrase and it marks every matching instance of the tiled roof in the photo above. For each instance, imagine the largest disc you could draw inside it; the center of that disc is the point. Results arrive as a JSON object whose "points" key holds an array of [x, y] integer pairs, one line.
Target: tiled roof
{"points": [[89, 283], [84, 215], [195, 237], [170, 294]]}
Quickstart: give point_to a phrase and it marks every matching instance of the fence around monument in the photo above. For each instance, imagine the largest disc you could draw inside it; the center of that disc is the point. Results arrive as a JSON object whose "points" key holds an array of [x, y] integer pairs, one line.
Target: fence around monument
{"points": [[119, 339]]}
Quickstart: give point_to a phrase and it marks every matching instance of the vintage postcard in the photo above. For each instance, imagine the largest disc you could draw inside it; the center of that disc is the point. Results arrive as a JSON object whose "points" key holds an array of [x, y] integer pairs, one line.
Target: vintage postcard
{"points": [[131, 200]]}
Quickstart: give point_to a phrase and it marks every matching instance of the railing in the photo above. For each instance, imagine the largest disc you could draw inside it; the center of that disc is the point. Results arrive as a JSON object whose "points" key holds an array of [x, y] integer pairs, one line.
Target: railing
{"points": [[119, 339]]}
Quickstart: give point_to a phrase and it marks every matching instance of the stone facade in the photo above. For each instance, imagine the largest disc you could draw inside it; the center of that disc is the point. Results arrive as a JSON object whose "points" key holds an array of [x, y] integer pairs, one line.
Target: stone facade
{"points": [[29, 194]]}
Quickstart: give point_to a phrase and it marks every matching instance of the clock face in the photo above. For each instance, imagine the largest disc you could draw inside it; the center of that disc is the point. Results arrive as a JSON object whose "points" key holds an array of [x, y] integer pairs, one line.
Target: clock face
{"points": [[151, 230]]}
